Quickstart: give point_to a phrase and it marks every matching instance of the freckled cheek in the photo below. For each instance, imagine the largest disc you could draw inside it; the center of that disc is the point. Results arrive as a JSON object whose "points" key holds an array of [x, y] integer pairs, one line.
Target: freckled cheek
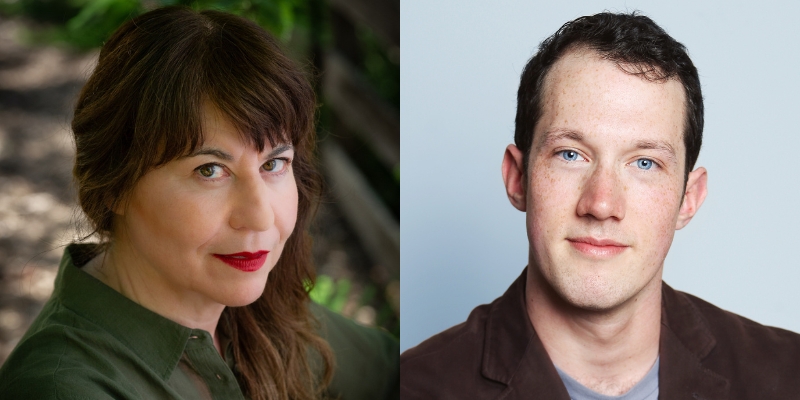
{"points": [[656, 211], [551, 201]]}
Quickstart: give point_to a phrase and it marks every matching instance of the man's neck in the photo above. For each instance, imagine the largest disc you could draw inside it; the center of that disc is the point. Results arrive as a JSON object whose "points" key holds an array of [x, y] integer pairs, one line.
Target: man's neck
{"points": [[608, 351]]}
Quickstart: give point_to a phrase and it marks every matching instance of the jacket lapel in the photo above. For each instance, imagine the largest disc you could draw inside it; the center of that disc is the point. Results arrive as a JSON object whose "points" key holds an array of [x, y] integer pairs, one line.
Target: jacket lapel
{"points": [[685, 342], [513, 354]]}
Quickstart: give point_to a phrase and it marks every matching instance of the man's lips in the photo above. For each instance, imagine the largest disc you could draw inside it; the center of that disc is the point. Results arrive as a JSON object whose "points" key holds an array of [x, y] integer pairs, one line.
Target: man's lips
{"points": [[244, 261], [602, 248]]}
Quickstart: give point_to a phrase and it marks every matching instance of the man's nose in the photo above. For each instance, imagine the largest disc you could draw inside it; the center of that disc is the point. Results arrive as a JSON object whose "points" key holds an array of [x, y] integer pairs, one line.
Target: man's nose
{"points": [[252, 208], [603, 195]]}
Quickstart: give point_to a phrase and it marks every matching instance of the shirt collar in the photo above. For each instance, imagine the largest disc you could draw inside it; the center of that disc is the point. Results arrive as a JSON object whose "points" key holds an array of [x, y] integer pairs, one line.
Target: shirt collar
{"points": [[158, 341]]}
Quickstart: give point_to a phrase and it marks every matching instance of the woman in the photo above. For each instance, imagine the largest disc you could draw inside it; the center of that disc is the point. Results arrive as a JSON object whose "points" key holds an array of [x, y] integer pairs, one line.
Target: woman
{"points": [[194, 164]]}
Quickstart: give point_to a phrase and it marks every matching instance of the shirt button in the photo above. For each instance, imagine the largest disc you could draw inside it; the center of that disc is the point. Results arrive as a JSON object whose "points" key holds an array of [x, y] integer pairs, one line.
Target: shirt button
{"points": [[219, 376], [193, 337]]}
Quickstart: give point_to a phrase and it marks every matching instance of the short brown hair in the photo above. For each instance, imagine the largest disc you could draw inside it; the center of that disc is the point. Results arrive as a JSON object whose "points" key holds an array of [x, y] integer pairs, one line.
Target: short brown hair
{"points": [[142, 107], [630, 39]]}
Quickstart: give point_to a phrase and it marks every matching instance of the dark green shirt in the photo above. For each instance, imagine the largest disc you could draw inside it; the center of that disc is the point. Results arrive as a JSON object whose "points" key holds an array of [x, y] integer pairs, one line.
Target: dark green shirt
{"points": [[91, 342]]}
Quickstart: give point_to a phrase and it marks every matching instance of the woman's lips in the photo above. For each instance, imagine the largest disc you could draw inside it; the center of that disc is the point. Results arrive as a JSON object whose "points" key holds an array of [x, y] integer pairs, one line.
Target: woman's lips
{"points": [[244, 261], [599, 248]]}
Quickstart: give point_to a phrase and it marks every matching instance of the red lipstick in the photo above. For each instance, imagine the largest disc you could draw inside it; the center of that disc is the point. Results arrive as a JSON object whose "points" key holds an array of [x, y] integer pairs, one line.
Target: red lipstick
{"points": [[600, 248], [244, 261]]}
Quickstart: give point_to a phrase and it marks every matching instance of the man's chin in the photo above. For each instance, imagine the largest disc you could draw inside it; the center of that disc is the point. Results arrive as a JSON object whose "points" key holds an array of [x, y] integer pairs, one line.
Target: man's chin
{"points": [[594, 295]]}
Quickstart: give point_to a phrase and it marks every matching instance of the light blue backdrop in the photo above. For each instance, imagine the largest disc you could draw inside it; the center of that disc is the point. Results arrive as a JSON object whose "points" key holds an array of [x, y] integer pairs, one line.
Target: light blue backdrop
{"points": [[463, 243]]}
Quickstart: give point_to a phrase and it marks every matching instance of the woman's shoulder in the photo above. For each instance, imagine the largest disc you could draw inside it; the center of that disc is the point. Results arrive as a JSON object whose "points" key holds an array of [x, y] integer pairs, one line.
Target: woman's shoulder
{"points": [[53, 376], [345, 331], [60, 357], [367, 359], [55, 362]]}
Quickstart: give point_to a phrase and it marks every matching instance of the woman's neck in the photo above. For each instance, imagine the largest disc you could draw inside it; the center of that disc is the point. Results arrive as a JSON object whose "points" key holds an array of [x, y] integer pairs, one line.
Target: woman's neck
{"points": [[141, 283]]}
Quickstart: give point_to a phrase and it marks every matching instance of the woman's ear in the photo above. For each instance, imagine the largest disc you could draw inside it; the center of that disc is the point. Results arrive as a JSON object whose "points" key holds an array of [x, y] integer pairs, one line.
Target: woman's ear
{"points": [[514, 176], [115, 204]]}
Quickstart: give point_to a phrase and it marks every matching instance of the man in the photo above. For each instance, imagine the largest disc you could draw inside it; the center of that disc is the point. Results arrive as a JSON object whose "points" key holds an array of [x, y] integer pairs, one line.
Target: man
{"points": [[608, 129]]}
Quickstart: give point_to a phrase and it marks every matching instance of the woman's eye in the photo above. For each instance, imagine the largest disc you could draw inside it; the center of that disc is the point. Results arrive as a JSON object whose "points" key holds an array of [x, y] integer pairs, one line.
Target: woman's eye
{"points": [[209, 171], [570, 155], [644, 163], [275, 165]]}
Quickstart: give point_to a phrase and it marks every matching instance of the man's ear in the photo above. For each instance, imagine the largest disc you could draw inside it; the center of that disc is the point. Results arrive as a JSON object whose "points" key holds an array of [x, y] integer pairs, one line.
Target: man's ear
{"points": [[696, 191], [513, 177]]}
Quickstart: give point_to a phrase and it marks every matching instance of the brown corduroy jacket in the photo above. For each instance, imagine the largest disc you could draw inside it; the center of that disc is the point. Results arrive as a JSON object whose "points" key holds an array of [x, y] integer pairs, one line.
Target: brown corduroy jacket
{"points": [[706, 353]]}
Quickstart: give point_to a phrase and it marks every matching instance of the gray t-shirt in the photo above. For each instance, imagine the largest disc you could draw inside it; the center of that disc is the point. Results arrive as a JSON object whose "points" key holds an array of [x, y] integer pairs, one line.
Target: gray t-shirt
{"points": [[646, 389]]}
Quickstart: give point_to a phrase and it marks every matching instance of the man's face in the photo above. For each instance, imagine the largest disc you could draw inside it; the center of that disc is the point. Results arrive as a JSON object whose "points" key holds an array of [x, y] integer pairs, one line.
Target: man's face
{"points": [[605, 181]]}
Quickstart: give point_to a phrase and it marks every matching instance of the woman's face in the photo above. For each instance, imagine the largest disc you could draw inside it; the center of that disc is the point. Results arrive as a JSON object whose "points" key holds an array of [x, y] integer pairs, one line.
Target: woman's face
{"points": [[209, 227]]}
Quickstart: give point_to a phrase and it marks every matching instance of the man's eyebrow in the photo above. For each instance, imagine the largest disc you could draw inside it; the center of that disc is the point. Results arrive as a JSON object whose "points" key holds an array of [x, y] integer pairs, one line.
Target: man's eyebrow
{"points": [[560, 134], [657, 145], [227, 157]]}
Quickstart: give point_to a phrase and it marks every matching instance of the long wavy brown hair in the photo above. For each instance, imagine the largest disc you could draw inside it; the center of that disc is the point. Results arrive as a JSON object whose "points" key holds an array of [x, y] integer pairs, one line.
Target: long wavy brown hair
{"points": [[142, 108]]}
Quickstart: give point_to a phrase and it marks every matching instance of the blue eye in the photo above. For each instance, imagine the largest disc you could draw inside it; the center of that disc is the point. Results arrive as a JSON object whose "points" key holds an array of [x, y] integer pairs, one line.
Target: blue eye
{"points": [[644, 163], [569, 155]]}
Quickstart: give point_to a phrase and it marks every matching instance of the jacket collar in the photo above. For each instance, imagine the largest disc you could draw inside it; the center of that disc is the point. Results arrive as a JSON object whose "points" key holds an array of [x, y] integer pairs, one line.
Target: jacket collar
{"points": [[158, 341], [514, 355], [685, 341]]}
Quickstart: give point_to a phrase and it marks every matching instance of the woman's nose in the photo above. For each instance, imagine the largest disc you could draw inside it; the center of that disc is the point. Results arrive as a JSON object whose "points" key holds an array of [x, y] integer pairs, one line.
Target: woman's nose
{"points": [[252, 209]]}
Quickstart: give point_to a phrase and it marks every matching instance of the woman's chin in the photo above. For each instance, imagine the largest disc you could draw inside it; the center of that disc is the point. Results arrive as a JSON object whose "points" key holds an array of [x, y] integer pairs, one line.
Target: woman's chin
{"points": [[242, 295]]}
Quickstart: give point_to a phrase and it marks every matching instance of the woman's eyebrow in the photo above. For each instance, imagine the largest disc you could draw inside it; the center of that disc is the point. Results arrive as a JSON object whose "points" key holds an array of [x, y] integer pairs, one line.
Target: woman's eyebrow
{"points": [[212, 152], [227, 157], [280, 149]]}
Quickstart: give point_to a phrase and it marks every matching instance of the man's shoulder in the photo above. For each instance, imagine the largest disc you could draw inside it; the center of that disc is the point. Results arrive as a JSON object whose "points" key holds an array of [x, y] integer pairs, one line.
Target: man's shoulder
{"points": [[756, 359], [464, 337], [477, 358], [731, 330], [447, 361]]}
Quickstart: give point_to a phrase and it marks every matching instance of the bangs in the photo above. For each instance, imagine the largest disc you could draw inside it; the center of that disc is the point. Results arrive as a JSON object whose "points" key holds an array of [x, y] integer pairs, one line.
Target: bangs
{"points": [[238, 69]]}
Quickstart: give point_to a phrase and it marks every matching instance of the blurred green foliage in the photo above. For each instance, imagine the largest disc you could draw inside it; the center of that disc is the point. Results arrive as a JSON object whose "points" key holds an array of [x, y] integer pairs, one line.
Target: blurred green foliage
{"points": [[85, 24], [329, 293], [381, 67]]}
